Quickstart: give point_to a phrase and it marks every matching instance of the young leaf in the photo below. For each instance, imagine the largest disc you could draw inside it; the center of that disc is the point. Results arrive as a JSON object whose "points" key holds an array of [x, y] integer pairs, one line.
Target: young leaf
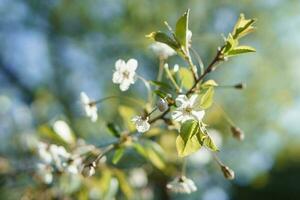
{"points": [[207, 98], [127, 113], [160, 93], [118, 155], [186, 77], [188, 140], [124, 185], [113, 129], [182, 29], [164, 38], [209, 83], [209, 143], [240, 50], [155, 154], [161, 85], [243, 27]]}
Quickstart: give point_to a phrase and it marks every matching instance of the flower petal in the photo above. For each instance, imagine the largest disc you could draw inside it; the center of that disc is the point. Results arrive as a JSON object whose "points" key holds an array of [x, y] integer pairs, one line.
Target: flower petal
{"points": [[132, 64], [181, 100], [119, 64], [84, 98], [117, 77], [198, 114]]}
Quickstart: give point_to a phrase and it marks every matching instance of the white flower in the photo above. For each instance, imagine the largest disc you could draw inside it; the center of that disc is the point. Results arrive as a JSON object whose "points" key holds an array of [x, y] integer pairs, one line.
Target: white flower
{"points": [[142, 125], [90, 107], [64, 131], [60, 156], [45, 173], [162, 50], [138, 178], [188, 108], [125, 73], [182, 185]]}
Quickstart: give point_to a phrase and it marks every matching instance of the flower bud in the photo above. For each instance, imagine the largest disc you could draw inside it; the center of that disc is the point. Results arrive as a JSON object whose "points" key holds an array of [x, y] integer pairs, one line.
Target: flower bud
{"points": [[237, 133], [227, 172], [240, 86], [88, 170], [162, 105]]}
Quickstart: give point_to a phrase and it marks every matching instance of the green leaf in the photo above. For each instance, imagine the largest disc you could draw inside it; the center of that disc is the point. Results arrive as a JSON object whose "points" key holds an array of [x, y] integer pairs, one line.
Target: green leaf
{"points": [[161, 84], [182, 29], [140, 149], [243, 27], [209, 143], [230, 44], [124, 185], [240, 50], [118, 155], [186, 77], [127, 113], [207, 98], [151, 151], [155, 154], [113, 129], [209, 83], [188, 140], [160, 93], [164, 38]]}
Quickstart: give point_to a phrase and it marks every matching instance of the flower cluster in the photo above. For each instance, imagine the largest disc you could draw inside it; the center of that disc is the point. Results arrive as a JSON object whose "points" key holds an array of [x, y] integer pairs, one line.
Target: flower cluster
{"points": [[178, 97]]}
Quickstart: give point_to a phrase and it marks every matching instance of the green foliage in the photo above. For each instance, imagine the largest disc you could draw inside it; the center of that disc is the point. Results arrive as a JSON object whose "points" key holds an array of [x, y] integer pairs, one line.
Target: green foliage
{"points": [[186, 78], [207, 97], [209, 83], [242, 28], [152, 151], [127, 113], [189, 140], [178, 40], [118, 155], [113, 129], [182, 29]]}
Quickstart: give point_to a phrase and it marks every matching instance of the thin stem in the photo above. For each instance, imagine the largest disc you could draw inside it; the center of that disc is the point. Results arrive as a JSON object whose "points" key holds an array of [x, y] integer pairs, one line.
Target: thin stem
{"points": [[192, 67], [147, 85], [210, 68], [166, 67], [160, 69], [116, 97], [217, 159], [159, 116], [225, 115], [184, 165], [201, 65], [105, 151]]}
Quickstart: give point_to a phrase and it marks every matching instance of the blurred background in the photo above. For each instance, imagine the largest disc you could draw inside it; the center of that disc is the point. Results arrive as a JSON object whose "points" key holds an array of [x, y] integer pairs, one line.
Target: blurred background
{"points": [[52, 50]]}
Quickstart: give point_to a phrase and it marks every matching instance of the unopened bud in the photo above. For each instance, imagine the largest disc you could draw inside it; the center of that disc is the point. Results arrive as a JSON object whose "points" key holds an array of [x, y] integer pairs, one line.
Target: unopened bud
{"points": [[227, 172], [237, 133], [240, 86], [162, 105], [88, 170]]}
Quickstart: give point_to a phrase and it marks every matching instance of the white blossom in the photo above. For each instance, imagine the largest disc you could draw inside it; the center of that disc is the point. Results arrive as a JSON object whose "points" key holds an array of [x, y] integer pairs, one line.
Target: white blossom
{"points": [[64, 131], [89, 106], [141, 123], [45, 172], [56, 158], [125, 73], [138, 178], [162, 50], [182, 185], [187, 108]]}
